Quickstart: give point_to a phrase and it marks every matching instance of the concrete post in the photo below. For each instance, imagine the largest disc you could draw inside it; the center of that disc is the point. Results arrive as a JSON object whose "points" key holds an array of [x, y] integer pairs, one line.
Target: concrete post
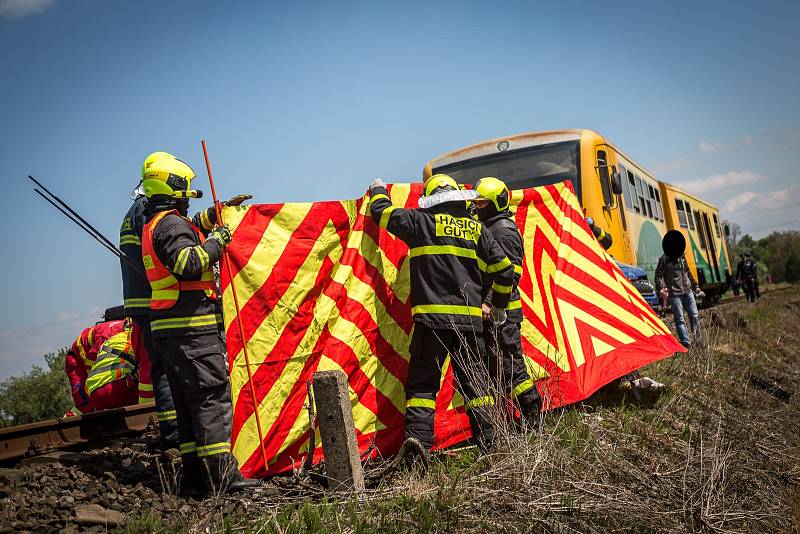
{"points": [[335, 415]]}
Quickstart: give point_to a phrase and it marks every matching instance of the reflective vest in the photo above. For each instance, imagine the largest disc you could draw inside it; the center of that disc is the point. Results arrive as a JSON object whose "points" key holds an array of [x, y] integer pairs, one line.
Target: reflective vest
{"points": [[166, 288], [115, 361]]}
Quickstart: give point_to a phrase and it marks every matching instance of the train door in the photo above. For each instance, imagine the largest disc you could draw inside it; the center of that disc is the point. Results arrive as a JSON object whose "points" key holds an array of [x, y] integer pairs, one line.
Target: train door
{"points": [[612, 204], [712, 249]]}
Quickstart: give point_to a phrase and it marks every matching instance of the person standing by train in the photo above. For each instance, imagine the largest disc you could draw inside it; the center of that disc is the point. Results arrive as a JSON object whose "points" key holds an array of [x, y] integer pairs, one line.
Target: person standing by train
{"points": [[747, 275], [674, 279]]}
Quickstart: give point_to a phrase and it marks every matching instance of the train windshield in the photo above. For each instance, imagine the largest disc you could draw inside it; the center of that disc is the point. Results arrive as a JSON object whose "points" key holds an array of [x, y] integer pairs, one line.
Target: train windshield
{"points": [[526, 167]]}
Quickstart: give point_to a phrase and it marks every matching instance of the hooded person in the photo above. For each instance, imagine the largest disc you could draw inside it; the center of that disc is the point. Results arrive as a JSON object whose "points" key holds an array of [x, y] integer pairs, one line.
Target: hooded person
{"points": [[503, 342], [450, 256], [675, 280]]}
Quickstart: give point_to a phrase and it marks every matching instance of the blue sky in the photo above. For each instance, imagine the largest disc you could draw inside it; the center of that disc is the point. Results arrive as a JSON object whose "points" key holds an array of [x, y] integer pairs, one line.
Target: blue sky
{"points": [[309, 101]]}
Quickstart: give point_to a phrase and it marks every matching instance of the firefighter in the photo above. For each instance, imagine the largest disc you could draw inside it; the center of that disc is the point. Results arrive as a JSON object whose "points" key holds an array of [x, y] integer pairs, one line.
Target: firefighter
{"points": [[136, 294], [97, 382], [503, 341], [449, 254], [747, 275], [79, 359], [120, 374], [186, 325]]}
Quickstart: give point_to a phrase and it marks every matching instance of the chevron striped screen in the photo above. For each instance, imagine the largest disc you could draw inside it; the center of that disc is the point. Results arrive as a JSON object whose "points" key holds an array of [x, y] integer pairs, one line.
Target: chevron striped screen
{"points": [[322, 287]]}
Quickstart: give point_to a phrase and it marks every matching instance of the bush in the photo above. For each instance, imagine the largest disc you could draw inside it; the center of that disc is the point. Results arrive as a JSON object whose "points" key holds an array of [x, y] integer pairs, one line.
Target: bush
{"points": [[37, 395]]}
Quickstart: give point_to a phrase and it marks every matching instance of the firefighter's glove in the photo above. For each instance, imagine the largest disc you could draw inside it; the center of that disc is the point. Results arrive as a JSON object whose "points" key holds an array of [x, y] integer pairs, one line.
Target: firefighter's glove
{"points": [[222, 234], [238, 200], [376, 183], [498, 315]]}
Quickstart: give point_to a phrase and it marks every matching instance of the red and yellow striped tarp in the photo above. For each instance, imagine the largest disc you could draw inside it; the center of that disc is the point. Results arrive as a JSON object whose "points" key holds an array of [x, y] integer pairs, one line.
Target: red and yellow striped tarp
{"points": [[322, 287]]}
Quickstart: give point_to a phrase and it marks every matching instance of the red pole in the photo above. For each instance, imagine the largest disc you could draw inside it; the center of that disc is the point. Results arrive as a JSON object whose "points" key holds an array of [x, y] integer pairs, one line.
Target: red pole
{"points": [[238, 314]]}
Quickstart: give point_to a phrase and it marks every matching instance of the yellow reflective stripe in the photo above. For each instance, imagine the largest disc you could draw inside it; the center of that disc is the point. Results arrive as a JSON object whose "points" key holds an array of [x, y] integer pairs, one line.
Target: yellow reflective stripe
{"points": [[137, 303], [129, 240], [479, 401], [185, 322], [447, 308], [168, 415], [443, 249], [500, 288], [166, 294], [163, 283], [203, 256], [416, 402], [602, 235], [502, 265], [379, 195], [188, 447], [145, 387], [385, 216], [213, 448], [205, 221], [514, 305], [522, 388], [183, 258], [518, 269]]}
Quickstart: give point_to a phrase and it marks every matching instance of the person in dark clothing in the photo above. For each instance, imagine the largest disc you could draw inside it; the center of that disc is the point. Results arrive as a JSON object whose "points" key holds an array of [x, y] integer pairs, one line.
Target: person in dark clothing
{"points": [[503, 343], [450, 254], [186, 326], [674, 278], [136, 299], [747, 275]]}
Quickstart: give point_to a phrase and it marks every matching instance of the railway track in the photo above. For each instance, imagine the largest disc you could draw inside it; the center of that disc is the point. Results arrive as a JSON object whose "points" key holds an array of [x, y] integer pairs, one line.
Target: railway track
{"points": [[22, 441]]}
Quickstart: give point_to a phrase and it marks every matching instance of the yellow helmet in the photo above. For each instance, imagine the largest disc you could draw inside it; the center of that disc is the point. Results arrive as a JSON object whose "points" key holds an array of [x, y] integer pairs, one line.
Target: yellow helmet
{"points": [[494, 190], [152, 158], [439, 182], [170, 177]]}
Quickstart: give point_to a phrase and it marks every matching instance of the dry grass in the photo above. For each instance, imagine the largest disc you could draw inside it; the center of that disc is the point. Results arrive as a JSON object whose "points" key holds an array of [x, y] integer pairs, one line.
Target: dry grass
{"points": [[713, 454]]}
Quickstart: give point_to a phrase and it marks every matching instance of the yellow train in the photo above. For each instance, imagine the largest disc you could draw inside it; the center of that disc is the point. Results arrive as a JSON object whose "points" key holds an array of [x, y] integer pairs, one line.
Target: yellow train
{"points": [[618, 193]]}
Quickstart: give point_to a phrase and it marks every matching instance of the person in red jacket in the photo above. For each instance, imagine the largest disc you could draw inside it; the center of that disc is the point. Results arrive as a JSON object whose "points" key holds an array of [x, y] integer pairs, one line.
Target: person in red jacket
{"points": [[108, 367]]}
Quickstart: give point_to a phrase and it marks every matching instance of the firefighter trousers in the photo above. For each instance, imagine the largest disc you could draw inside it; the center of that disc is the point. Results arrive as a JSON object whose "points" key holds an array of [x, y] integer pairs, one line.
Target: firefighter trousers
{"points": [[507, 367], [198, 377], [429, 348], [165, 407]]}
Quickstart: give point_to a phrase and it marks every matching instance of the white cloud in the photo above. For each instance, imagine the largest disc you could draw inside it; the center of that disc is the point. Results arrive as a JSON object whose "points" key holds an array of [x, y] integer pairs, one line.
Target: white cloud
{"points": [[20, 8], [741, 200], [719, 182], [707, 147], [747, 140]]}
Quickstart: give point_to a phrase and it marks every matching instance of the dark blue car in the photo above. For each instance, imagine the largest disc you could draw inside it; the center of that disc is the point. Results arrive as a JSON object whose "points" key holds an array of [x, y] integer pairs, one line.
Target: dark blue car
{"points": [[638, 277]]}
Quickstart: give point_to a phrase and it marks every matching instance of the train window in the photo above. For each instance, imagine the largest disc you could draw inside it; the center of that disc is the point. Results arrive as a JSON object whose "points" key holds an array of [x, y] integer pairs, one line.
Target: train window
{"points": [[716, 225], [634, 196], [660, 209], [689, 215], [681, 213], [605, 182], [653, 201], [640, 195], [626, 190], [700, 231]]}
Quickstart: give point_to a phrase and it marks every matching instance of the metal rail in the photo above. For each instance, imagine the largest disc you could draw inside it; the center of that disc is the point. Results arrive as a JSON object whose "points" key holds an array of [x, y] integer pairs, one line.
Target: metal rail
{"points": [[21, 441]]}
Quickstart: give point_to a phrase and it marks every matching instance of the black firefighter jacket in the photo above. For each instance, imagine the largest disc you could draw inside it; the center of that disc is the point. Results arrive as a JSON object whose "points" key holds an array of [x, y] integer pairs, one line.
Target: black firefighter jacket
{"points": [[178, 246], [506, 232], [450, 253]]}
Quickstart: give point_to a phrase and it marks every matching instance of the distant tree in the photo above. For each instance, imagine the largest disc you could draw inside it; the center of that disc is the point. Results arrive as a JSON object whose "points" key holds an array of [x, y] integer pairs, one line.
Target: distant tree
{"points": [[37, 395], [732, 232], [792, 268]]}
